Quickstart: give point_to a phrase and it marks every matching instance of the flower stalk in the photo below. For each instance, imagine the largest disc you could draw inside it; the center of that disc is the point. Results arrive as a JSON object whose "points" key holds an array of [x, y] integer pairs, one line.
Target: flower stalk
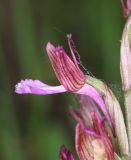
{"points": [[125, 69]]}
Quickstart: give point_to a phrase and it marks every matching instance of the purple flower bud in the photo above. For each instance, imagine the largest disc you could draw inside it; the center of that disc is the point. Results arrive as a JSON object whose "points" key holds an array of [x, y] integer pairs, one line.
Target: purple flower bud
{"points": [[65, 154], [125, 57]]}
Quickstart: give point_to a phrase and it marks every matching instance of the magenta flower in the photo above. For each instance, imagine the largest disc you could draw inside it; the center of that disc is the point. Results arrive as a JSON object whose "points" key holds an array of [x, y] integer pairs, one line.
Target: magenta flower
{"points": [[65, 154], [70, 76], [91, 143]]}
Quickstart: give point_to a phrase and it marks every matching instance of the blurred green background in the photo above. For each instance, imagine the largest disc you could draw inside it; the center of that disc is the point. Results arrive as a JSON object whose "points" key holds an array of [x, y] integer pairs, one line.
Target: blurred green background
{"points": [[34, 127]]}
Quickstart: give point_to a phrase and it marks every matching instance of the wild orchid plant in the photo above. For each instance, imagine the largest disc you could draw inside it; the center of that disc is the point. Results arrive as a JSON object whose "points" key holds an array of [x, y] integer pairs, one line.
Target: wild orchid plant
{"points": [[99, 118]]}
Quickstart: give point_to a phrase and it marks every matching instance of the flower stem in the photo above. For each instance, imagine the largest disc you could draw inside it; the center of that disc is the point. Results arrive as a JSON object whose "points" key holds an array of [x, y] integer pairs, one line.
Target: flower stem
{"points": [[127, 96], [125, 69]]}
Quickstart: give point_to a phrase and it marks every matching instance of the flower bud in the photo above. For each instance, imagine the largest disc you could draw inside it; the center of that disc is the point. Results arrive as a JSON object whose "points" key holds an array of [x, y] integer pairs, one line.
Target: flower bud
{"points": [[65, 154], [125, 69], [93, 143], [125, 57]]}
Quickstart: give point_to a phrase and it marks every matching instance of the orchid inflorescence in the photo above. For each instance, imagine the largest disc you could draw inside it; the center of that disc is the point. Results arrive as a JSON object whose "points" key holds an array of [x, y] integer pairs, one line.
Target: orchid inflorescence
{"points": [[99, 118]]}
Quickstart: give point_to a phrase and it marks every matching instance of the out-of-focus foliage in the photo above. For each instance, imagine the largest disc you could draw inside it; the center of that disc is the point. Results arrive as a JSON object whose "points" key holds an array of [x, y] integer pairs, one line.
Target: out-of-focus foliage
{"points": [[34, 127]]}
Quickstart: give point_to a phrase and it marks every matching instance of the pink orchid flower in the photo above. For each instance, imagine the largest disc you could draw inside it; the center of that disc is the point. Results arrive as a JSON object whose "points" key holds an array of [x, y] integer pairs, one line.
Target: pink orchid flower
{"points": [[91, 144], [70, 76]]}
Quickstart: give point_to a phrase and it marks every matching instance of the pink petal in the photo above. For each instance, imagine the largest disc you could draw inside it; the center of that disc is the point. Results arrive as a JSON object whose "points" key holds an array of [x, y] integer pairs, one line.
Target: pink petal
{"points": [[95, 142], [65, 154], [70, 44], [68, 72], [83, 113], [100, 129], [30, 86], [83, 143], [129, 4], [91, 92]]}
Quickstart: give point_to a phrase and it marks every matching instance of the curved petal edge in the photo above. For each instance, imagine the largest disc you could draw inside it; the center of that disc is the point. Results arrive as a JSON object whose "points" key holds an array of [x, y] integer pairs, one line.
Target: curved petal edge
{"points": [[29, 86]]}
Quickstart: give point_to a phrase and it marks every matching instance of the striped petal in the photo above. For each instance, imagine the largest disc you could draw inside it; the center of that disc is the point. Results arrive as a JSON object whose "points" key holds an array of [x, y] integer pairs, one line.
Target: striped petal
{"points": [[93, 143], [67, 71], [83, 143]]}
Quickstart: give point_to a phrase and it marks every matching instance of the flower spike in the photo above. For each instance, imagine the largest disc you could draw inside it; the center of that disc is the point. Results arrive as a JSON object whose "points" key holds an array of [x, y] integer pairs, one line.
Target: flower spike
{"points": [[92, 140]]}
